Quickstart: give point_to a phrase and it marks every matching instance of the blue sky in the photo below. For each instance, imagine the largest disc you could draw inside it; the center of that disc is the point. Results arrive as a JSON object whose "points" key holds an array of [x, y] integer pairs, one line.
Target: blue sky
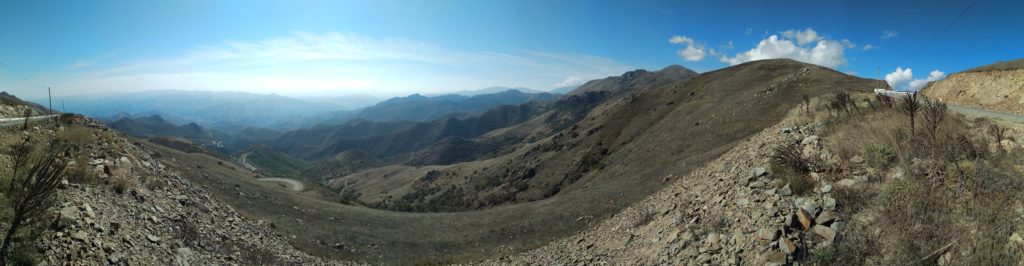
{"points": [[389, 48]]}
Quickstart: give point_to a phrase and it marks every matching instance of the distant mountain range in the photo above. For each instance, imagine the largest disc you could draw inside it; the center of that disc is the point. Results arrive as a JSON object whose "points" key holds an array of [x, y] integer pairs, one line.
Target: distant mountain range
{"points": [[225, 111], [488, 90], [418, 108]]}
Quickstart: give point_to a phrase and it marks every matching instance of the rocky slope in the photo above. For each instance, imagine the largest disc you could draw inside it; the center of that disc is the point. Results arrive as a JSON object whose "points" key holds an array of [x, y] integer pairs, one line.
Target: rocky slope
{"points": [[998, 87], [728, 212], [120, 206], [11, 106]]}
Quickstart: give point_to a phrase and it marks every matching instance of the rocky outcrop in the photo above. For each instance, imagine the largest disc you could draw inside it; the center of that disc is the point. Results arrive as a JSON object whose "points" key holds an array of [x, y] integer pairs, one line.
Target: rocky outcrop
{"points": [[1000, 90]]}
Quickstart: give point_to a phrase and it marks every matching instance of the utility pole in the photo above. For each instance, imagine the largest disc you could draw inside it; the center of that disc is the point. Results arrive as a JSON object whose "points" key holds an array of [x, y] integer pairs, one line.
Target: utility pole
{"points": [[62, 110], [49, 95]]}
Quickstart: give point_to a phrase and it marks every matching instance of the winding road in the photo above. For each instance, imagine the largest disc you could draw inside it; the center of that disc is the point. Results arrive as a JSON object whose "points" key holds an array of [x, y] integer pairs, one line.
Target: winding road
{"points": [[21, 120], [286, 182], [986, 113]]}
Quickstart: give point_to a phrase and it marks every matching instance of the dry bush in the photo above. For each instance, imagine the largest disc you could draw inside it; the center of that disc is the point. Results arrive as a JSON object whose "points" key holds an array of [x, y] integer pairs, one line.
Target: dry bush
{"points": [[789, 156], [934, 113], [842, 103], [32, 193], [120, 184], [884, 101], [642, 215], [911, 106], [997, 132], [76, 135]]}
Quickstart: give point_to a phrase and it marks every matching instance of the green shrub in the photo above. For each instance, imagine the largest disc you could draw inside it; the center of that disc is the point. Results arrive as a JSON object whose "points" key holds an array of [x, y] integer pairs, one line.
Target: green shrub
{"points": [[879, 155]]}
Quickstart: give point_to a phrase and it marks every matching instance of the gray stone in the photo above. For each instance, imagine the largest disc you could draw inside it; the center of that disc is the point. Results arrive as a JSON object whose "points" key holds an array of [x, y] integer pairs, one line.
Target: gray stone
{"points": [[808, 204], [153, 238], [758, 172], [68, 216], [810, 140], [767, 234], [857, 159], [786, 191], [88, 211], [826, 217], [829, 203], [846, 182], [80, 236], [826, 188], [826, 232], [742, 202]]}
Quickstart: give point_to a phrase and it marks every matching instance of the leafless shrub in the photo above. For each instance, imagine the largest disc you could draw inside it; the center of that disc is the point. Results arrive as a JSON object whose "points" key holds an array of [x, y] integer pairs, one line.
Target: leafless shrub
{"points": [[911, 106], [842, 103], [934, 113], [19, 154], [997, 132], [32, 193], [807, 103], [642, 216], [884, 100]]}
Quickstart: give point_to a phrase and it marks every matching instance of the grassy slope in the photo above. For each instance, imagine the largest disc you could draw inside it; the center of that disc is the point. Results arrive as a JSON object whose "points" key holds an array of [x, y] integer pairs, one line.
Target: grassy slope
{"points": [[273, 163]]}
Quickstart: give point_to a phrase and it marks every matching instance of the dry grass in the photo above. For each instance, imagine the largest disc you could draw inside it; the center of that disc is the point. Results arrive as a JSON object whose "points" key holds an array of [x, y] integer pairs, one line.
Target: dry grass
{"points": [[956, 194]]}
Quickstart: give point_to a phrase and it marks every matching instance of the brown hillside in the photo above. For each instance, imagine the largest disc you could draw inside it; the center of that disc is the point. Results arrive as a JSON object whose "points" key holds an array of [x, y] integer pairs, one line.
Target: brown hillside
{"points": [[998, 87]]}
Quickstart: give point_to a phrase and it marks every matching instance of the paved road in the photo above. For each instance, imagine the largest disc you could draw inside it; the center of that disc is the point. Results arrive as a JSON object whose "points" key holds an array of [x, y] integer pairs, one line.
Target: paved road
{"points": [[292, 184], [986, 113], [287, 182], [21, 120]]}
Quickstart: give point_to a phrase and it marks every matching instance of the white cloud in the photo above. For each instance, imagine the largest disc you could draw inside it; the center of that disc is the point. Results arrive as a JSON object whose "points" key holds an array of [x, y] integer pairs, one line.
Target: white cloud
{"points": [[337, 63], [802, 36], [692, 51], [570, 81], [919, 83], [823, 51], [903, 79], [889, 34], [898, 78], [868, 47]]}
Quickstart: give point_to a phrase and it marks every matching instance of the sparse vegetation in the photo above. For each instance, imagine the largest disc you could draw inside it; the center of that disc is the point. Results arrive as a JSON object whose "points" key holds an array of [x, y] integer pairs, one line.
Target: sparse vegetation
{"points": [[948, 183]]}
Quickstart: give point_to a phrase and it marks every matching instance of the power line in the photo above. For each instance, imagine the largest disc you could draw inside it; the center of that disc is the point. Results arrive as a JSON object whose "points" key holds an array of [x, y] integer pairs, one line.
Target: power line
{"points": [[20, 76], [937, 34]]}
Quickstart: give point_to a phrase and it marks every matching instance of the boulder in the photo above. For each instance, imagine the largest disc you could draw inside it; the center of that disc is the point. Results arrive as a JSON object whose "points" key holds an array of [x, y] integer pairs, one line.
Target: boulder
{"points": [[829, 203], [826, 232], [786, 191], [88, 211], [826, 217], [758, 172], [153, 238], [804, 218], [767, 234], [857, 159]]}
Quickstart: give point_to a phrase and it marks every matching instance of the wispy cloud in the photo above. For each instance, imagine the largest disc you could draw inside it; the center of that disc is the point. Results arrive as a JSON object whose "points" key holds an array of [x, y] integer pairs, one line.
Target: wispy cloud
{"points": [[339, 63], [889, 34]]}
